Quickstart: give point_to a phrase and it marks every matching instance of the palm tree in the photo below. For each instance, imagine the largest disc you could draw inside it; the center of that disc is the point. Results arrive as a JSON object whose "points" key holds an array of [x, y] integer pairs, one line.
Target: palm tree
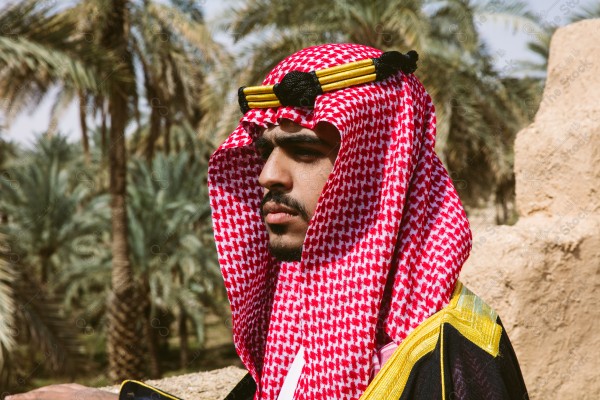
{"points": [[173, 258], [48, 207], [174, 62], [44, 48], [41, 49], [171, 244], [174, 51], [478, 111], [41, 199], [91, 49], [7, 308], [166, 41], [124, 313], [48, 45]]}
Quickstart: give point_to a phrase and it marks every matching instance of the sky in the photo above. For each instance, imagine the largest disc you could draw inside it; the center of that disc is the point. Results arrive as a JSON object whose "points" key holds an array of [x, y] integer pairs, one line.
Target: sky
{"points": [[508, 45]]}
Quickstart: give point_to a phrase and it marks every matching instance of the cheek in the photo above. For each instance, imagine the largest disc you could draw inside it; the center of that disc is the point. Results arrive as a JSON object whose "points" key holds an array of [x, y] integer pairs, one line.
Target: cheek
{"points": [[313, 186]]}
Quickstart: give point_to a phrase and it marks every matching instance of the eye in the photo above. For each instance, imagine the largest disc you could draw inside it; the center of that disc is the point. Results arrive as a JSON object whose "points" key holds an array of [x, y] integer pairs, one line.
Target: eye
{"points": [[264, 152], [306, 153], [264, 148]]}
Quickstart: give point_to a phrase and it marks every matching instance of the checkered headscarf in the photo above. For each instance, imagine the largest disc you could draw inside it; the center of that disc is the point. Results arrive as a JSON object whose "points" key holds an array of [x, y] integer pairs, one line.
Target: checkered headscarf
{"points": [[382, 251]]}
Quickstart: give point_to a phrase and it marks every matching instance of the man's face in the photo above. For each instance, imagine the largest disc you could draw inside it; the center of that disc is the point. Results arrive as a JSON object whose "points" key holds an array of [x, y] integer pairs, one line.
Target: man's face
{"points": [[297, 164]]}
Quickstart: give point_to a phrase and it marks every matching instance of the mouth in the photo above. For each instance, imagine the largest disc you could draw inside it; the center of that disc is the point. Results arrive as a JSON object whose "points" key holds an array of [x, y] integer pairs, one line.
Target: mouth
{"points": [[275, 213]]}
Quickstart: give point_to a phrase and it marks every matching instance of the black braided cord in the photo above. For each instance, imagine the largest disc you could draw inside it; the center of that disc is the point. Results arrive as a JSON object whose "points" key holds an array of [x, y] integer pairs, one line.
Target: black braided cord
{"points": [[242, 100], [298, 89], [391, 62]]}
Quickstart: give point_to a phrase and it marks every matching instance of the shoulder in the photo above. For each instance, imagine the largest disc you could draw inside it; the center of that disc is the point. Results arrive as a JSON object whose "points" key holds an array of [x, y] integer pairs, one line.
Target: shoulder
{"points": [[466, 334], [472, 318]]}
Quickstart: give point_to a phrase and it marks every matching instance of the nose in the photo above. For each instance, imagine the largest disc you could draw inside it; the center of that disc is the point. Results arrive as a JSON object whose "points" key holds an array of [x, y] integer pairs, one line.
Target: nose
{"points": [[276, 174]]}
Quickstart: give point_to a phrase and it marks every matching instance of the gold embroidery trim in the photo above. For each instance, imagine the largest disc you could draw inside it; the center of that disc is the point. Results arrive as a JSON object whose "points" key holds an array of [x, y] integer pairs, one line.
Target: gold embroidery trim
{"points": [[442, 377], [167, 395], [466, 312]]}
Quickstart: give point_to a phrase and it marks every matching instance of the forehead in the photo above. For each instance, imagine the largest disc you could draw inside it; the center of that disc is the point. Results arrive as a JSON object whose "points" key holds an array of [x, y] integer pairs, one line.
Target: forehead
{"points": [[324, 132], [285, 127]]}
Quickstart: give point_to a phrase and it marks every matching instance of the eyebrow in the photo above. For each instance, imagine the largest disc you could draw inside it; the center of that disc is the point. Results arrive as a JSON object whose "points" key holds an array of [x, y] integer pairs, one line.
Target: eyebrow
{"points": [[263, 142]]}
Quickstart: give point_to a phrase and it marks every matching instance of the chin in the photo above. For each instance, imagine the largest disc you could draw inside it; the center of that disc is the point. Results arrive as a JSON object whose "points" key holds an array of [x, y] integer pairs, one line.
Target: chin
{"points": [[285, 244], [286, 253]]}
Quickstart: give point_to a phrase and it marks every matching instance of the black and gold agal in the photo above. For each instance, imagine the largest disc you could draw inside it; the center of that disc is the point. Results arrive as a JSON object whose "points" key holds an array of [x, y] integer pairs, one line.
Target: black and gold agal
{"points": [[300, 89]]}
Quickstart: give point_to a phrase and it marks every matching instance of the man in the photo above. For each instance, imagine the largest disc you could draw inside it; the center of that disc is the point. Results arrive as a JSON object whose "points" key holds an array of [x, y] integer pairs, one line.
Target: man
{"points": [[351, 291], [341, 237]]}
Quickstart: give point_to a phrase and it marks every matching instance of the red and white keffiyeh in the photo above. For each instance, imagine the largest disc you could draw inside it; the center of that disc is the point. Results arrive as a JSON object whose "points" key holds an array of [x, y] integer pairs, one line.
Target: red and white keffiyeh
{"points": [[382, 251]]}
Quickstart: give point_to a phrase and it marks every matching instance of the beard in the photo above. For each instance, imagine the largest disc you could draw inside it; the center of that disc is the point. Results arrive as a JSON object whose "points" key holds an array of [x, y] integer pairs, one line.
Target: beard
{"points": [[285, 253], [280, 251]]}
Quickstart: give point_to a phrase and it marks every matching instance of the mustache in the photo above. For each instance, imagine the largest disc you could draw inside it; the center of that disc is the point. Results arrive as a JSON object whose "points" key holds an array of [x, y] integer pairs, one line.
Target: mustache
{"points": [[288, 201]]}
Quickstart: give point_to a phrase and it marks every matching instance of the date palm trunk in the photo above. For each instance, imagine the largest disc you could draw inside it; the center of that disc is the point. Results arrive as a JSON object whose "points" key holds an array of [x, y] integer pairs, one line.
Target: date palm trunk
{"points": [[150, 332], [184, 347], [83, 123], [124, 306]]}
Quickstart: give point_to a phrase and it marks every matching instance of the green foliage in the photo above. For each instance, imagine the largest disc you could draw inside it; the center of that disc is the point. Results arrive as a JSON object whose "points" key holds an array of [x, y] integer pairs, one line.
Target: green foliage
{"points": [[588, 12], [171, 236], [46, 208], [40, 48], [43, 199], [8, 307], [57, 236], [8, 150], [168, 52]]}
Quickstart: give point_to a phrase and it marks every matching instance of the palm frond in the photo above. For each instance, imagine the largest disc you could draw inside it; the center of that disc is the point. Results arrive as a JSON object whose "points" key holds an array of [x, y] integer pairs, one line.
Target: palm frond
{"points": [[193, 31], [515, 15], [41, 319], [586, 12], [40, 49], [37, 69], [8, 330]]}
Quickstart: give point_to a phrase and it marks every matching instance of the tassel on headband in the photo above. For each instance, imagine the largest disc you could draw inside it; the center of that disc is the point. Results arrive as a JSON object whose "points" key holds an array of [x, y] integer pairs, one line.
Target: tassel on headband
{"points": [[300, 89]]}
